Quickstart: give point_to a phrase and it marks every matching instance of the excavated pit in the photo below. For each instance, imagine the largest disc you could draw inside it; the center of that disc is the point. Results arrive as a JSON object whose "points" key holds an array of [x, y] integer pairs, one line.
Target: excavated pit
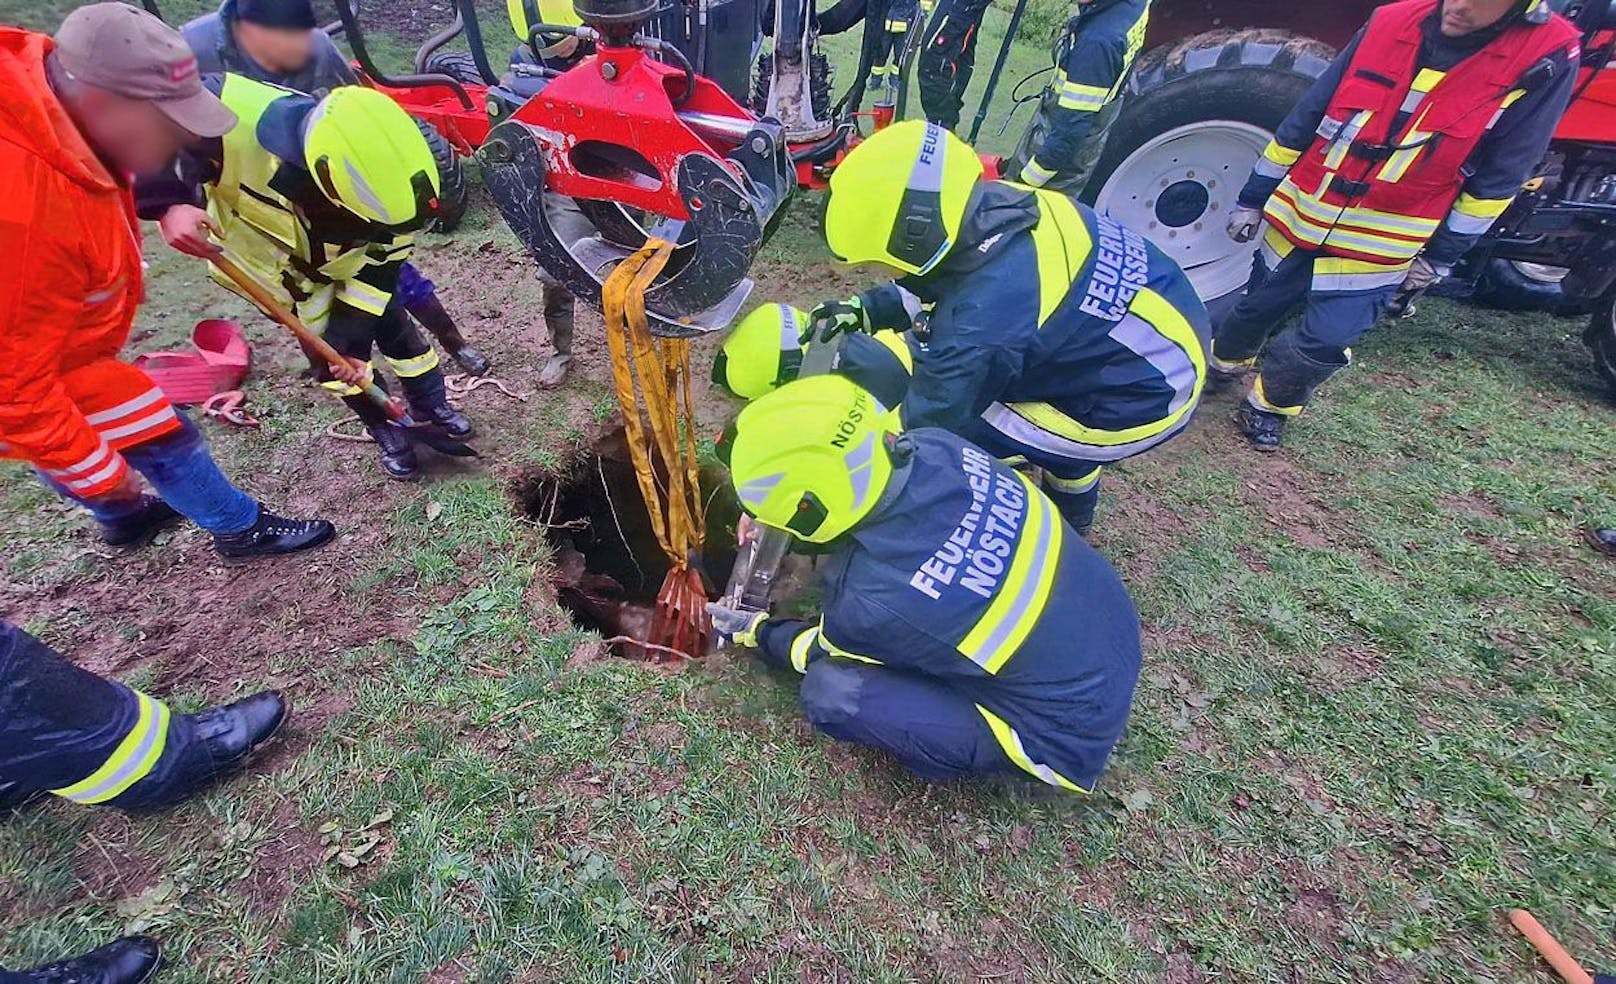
{"points": [[609, 566]]}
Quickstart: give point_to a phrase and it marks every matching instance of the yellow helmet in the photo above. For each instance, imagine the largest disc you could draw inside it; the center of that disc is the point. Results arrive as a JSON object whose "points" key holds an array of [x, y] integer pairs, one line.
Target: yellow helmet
{"points": [[525, 15], [764, 351], [900, 197], [811, 457], [368, 156]]}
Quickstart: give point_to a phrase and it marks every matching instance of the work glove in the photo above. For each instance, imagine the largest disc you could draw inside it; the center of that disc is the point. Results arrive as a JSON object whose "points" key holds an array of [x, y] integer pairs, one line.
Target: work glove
{"points": [[1424, 275], [735, 626], [834, 318], [1243, 224]]}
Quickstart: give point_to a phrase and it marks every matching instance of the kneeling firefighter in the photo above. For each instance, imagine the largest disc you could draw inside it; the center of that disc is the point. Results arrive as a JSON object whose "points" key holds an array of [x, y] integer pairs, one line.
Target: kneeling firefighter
{"points": [[966, 629], [1056, 336], [319, 201]]}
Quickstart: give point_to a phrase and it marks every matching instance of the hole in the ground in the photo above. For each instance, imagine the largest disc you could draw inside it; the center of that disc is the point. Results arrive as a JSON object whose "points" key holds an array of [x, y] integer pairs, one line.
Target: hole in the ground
{"points": [[609, 565]]}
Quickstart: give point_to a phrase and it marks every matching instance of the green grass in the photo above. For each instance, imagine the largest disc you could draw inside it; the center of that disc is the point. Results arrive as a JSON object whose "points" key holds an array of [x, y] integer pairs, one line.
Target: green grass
{"points": [[1378, 709]]}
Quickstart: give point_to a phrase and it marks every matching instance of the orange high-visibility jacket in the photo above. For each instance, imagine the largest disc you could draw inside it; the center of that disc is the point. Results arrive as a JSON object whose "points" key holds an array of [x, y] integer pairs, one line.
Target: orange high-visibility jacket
{"points": [[70, 281]]}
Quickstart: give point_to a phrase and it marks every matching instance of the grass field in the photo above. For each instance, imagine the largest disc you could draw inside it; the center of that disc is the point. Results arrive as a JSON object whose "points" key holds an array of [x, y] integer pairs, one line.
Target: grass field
{"points": [[1378, 707]]}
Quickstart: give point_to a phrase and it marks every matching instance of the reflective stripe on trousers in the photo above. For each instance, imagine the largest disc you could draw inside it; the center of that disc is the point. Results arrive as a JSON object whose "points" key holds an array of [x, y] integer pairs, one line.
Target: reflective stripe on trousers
{"points": [[1020, 602], [131, 761]]}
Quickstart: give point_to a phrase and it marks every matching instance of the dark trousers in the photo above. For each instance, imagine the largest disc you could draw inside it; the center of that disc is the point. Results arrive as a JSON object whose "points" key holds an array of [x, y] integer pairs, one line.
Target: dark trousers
{"points": [[1301, 357], [936, 733], [947, 58], [356, 334]]}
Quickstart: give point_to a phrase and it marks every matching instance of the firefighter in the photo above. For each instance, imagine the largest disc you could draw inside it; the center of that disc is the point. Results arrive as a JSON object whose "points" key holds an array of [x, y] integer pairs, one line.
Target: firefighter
{"points": [[767, 348], [886, 56], [115, 93], [947, 59], [1093, 58], [966, 629], [280, 42], [1056, 336], [1398, 159], [319, 202], [95, 742], [557, 54]]}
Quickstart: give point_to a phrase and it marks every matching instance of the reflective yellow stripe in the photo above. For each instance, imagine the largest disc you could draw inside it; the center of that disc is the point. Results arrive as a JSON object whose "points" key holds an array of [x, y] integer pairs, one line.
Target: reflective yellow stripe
{"points": [[1276, 160], [1472, 216], [835, 650], [800, 647], [357, 293], [1346, 227], [1073, 486], [133, 759], [1510, 99], [1024, 591], [1011, 743], [1062, 243], [1333, 273], [1155, 311], [418, 366], [1343, 140], [341, 388], [1084, 98], [1259, 399], [1035, 175]]}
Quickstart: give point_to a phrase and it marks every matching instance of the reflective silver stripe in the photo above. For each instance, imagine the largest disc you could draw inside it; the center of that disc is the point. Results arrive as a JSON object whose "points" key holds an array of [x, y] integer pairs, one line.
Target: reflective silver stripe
{"points": [[1412, 101], [91, 481], [1018, 428], [1035, 174], [1270, 169], [1027, 588], [131, 761], [140, 402], [102, 296], [756, 492], [860, 463], [1469, 225], [95, 459], [157, 419], [1329, 127], [1142, 339], [1344, 283]]}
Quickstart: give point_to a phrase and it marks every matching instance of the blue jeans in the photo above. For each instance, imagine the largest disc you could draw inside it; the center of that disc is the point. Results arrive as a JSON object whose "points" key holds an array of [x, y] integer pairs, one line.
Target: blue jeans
{"points": [[184, 474]]}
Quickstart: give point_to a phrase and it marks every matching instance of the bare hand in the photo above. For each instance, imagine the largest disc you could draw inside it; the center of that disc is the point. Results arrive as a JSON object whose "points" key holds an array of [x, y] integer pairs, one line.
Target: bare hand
{"points": [[186, 228], [746, 530], [356, 372], [1243, 224]]}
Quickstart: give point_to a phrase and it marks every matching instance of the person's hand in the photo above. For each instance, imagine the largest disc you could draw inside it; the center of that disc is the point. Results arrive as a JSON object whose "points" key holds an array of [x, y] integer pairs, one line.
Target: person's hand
{"points": [[1243, 224], [736, 626], [838, 317], [746, 530], [1424, 275], [186, 228], [356, 372], [129, 489]]}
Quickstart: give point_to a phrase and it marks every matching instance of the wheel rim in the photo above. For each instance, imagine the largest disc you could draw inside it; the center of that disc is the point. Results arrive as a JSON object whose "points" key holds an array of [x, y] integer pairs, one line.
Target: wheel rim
{"points": [[1178, 190], [1540, 273]]}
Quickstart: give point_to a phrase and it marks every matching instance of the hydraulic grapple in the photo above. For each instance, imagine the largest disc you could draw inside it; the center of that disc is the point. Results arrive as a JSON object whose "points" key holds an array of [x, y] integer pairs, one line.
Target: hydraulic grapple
{"points": [[649, 150]]}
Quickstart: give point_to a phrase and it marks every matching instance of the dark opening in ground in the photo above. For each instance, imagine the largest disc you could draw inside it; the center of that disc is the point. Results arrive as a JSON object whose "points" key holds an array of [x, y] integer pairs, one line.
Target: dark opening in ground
{"points": [[609, 566]]}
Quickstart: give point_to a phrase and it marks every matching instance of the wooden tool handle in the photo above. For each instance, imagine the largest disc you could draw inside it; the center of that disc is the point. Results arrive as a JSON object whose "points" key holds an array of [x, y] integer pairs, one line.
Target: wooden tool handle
{"points": [[1552, 952], [270, 306]]}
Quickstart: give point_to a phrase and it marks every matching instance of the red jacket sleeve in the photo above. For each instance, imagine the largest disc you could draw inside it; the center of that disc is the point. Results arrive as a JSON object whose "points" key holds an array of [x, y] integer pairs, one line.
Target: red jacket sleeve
{"points": [[43, 286]]}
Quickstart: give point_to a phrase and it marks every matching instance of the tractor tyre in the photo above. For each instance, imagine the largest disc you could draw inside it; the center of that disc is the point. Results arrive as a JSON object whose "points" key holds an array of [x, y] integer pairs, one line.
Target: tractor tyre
{"points": [[1197, 116], [1509, 285], [820, 78], [458, 65], [1601, 340], [451, 179]]}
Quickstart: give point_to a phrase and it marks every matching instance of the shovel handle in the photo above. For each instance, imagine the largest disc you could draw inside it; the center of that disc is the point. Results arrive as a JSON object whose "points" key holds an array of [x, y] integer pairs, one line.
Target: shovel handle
{"points": [[278, 312], [1552, 952]]}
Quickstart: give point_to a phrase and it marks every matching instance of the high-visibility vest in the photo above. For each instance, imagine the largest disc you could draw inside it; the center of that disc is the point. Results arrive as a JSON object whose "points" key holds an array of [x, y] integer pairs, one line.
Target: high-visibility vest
{"points": [[1368, 192]]}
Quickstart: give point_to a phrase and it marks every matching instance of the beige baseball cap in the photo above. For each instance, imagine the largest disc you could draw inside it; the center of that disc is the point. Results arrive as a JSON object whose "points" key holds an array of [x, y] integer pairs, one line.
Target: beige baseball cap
{"points": [[125, 50]]}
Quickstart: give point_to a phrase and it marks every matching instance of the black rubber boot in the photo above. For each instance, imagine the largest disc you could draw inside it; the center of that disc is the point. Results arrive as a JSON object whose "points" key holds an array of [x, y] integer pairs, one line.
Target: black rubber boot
{"points": [[272, 536], [212, 745], [140, 529], [429, 404], [131, 960], [1265, 431], [430, 313]]}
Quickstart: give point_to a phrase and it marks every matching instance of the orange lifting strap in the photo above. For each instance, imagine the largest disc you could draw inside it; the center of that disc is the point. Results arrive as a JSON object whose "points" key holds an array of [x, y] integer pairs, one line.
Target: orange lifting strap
{"points": [[672, 494]]}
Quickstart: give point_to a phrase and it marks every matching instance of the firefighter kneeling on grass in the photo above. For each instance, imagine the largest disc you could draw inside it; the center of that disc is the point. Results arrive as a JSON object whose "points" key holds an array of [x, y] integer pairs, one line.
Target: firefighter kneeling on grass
{"points": [[319, 202], [1055, 337], [1398, 159], [967, 629]]}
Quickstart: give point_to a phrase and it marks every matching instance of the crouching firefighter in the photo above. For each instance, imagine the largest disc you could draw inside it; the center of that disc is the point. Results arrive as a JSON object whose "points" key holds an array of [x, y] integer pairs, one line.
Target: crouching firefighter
{"points": [[1093, 59], [1398, 159], [1056, 336], [319, 201], [966, 629], [767, 349]]}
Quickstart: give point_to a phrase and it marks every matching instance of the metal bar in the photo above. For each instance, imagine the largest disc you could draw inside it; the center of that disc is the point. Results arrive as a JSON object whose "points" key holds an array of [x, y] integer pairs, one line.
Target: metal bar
{"points": [[998, 69], [474, 41], [356, 41]]}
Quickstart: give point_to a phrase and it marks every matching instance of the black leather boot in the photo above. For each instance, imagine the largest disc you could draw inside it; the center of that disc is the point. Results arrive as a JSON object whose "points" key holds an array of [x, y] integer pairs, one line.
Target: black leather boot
{"points": [[271, 536], [1602, 540], [212, 745], [397, 451], [139, 529], [1265, 431], [431, 315], [429, 404], [131, 960]]}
